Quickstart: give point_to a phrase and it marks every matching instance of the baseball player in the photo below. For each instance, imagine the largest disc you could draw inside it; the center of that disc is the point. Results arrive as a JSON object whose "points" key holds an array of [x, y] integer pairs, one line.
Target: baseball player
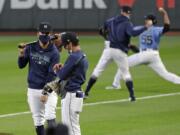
{"points": [[149, 54], [119, 30], [40, 56], [74, 73]]}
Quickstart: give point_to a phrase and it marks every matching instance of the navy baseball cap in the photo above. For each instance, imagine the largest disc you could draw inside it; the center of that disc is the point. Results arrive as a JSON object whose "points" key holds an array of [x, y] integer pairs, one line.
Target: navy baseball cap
{"points": [[126, 9], [68, 37], [44, 27], [151, 17]]}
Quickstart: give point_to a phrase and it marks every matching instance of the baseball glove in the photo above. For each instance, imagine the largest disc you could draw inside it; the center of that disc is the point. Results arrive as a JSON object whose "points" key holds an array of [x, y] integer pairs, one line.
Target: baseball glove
{"points": [[133, 48], [48, 88], [103, 31], [52, 86], [56, 86]]}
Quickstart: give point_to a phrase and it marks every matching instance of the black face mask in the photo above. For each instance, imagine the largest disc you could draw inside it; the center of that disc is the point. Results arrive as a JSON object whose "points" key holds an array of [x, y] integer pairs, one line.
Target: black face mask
{"points": [[44, 39]]}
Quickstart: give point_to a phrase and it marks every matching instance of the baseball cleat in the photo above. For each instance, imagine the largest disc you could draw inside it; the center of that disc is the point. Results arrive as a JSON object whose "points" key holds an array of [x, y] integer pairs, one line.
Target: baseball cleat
{"points": [[86, 96], [112, 87], [132, 99]]}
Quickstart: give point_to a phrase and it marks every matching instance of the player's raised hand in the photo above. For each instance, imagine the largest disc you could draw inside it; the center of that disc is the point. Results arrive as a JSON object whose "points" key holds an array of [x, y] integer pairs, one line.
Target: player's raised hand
{"points": [[165, 15], [21, 47], [162, 10]]}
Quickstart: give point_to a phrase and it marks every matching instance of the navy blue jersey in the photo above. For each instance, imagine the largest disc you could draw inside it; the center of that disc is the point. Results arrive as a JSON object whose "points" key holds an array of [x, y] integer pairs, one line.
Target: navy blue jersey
{"points": [[120, 30], [41, 62], [74, 70]]}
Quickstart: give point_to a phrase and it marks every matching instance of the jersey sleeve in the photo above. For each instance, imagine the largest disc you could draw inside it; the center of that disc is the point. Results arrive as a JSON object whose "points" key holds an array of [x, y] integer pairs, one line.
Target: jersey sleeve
{"points": [[159, 31], [134, 31], [65, 71], [166, 28], [22, 61], [138, 27], [51, 74]]}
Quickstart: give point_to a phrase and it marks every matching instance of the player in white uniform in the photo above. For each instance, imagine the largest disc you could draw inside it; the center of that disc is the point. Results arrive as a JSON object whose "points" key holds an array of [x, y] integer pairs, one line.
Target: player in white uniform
{"points": [[149, 54], [40, 56]]}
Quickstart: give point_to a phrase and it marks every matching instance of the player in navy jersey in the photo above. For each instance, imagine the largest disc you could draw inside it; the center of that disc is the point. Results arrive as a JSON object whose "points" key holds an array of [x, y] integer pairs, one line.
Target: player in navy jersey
{"points": [[149, 50], [73, 72], [119, 30], [40, 56]]}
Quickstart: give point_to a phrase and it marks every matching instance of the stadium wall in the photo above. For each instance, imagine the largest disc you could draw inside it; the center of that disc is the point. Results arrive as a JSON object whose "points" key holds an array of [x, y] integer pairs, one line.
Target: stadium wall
{"points": [[80, 15]]}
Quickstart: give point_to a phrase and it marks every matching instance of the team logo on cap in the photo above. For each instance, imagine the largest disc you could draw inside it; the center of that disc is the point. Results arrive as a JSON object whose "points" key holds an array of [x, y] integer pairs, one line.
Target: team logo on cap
{"points": [[45, 26]]}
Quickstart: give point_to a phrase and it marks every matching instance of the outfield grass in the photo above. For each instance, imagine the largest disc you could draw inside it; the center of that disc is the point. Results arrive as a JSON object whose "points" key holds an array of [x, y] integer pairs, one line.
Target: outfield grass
{"points": [[158, 116]]}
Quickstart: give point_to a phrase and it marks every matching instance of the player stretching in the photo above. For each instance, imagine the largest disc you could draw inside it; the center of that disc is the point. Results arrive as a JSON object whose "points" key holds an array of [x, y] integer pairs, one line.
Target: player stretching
{"points": [[149, 54], [119, 29], [41, 56]]}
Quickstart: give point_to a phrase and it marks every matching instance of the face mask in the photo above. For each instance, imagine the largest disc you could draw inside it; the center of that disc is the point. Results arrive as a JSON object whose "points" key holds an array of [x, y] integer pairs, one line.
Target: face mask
{"points": [[44, 39]]}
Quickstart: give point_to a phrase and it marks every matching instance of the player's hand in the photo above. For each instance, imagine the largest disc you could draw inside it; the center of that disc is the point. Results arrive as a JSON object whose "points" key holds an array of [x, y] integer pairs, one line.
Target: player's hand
{"points": [[133, 48], [57, 67], [162, 10], [44, 98], [57, 41], [21, 47]]}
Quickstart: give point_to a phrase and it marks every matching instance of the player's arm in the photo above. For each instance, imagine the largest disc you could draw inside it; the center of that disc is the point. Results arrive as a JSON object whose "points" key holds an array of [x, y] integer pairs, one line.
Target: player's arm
{"points": [[134, 31], [55, 60], [50, 78], [166, 20], [65, 71], [56, 40], [23, 55]]}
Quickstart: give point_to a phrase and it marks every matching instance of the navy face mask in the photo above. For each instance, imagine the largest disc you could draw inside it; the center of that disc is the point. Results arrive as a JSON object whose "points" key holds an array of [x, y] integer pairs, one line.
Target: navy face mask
{"points": [[44, 39]]}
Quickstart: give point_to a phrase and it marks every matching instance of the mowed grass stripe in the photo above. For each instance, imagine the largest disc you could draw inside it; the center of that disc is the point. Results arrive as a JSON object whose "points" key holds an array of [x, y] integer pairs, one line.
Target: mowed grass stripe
{"points": [[100, 103]]}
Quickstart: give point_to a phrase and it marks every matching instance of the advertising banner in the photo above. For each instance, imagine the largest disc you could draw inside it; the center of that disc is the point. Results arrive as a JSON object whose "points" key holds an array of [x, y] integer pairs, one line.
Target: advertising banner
{"points": [[79, 14]]}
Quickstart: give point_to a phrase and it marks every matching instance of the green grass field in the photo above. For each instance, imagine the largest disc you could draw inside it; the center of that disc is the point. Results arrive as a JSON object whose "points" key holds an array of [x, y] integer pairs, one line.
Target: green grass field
{"points": [[154, 116]]}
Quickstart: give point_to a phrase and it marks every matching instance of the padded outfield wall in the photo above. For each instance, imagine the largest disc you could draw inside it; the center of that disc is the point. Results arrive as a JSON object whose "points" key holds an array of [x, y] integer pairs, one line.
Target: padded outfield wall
{"points": [[78, 14]]}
